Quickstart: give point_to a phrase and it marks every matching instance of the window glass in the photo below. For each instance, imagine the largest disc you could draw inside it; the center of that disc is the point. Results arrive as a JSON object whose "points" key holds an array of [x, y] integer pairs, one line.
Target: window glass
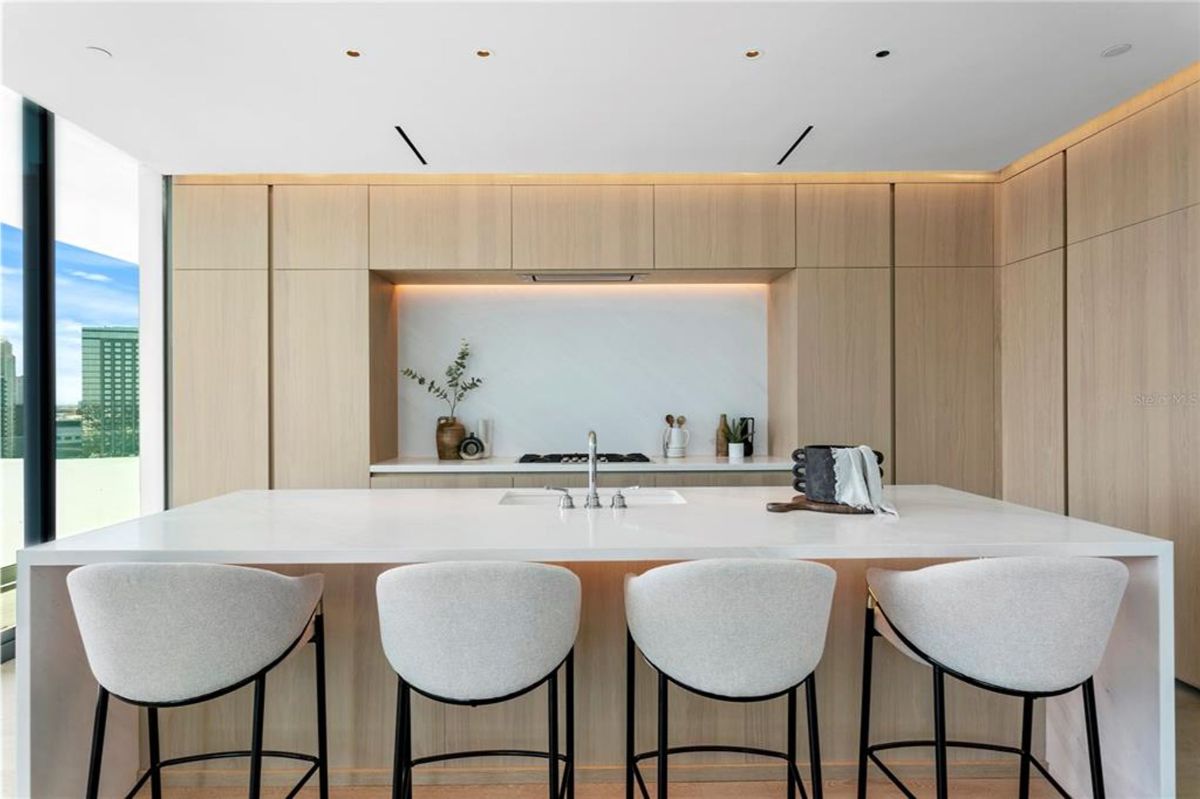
{"points": [[12, 499]]}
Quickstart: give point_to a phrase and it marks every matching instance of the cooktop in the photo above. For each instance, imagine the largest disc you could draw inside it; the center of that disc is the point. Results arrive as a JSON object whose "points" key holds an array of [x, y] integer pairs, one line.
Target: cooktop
{"points": [[581, 457]]}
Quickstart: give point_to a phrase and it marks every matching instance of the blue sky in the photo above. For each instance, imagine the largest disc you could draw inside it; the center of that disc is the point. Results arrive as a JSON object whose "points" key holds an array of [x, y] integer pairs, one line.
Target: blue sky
{"points": [[90, 289]]}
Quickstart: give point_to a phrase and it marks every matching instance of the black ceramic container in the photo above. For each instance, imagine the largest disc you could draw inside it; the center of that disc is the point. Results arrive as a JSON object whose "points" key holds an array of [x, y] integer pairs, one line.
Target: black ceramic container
{"points": [[813, 471]]}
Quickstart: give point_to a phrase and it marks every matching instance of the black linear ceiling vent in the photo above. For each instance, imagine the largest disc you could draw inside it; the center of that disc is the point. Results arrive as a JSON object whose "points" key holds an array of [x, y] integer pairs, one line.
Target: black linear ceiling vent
{"points": [[412, 146], [796, 143]]}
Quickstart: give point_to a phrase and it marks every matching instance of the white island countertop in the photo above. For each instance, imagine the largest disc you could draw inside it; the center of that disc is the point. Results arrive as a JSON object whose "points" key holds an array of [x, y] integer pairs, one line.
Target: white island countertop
{"points": [[410, 525], [409, 464]]}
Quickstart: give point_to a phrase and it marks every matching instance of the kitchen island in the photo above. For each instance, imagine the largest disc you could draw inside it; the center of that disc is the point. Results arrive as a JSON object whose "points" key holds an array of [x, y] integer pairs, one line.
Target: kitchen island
{"points": [[353, 535]]}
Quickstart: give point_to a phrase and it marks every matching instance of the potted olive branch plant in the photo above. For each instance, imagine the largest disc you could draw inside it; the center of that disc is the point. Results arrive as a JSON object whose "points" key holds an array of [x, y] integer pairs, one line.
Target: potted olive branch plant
{"points": [[452, 391]]}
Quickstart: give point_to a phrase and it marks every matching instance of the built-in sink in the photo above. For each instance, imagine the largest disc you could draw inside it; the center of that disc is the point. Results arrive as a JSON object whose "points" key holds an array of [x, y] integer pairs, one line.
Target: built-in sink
{"points": [[641, 497]]}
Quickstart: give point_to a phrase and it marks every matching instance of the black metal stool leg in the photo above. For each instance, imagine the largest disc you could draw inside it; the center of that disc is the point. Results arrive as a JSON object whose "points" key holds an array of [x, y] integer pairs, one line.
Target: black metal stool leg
{"points": [[814, 735], [570, 699], [256, 742], [322, 730], [93, 781], [864, 728], [1026, 745], [155, 759], [552, 717], [399, 766], [791, 743], [630, 709], [662, 736], [408, 738], [1093, 738], [939, 732]]}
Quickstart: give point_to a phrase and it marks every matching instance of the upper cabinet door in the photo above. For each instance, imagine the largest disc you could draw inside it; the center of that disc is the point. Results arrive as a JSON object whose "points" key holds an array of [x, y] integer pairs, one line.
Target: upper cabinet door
{"points": [[441, 227], [844, 225], [583, 227], [720, 227], [1031, 212], [1140, 168], [219, 227], [944, 224], [319, 227]]}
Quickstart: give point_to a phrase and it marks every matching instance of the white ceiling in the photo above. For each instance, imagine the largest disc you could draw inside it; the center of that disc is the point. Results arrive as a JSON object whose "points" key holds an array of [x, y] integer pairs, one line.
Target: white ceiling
{"points": [[595, 87]]}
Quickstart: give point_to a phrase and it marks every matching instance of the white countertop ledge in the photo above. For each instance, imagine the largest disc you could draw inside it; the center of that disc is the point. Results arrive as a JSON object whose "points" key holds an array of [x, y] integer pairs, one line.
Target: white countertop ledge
{"points": [[415, 525], [505, 465]]}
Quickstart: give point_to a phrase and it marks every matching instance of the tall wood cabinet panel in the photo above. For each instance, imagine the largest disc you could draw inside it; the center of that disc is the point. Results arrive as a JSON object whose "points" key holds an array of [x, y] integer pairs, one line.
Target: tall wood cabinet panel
{"points": [[319, 227], [1030, 214], [844, 359], [219, 394], [783, 373], [944, 224], [1141, 167], [321, 389], [1032, 428], [1133, 371], [945, 378], [441, 227], [726, 226], [843, 225], [583, 227], [219, 227]]}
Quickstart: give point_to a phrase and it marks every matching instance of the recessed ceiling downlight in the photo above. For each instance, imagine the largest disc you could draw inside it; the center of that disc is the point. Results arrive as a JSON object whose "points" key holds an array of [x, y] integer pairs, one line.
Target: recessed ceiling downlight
{"points": [[753, 54], [353, 53], [1116, 50], [483, 52], [882, 53], [98, 50]]}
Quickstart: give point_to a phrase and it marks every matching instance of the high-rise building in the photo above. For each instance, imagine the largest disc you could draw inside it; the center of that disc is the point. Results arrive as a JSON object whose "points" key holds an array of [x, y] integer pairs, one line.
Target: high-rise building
{"points": [[8, 400], [110, 391]]}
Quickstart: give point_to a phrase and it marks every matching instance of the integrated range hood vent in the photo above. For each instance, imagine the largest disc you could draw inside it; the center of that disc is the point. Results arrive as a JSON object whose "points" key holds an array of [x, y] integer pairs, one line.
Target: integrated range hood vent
{"points": [[583, 277]]}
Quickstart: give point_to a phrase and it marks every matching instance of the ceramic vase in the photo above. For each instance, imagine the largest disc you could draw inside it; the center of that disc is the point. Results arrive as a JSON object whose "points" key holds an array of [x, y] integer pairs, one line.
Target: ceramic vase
{"points": [[450, 433]]}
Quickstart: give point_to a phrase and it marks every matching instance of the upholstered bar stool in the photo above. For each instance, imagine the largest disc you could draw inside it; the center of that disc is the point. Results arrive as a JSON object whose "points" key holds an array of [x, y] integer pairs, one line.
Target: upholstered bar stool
{"points": [[478, 633], [161, 635], [738, 630], [1031, 627]]}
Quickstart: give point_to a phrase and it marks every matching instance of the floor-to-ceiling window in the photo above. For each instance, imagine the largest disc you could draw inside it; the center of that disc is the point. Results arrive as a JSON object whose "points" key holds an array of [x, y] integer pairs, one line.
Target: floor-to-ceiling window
{"points": [[96, 331], [12, 515]]}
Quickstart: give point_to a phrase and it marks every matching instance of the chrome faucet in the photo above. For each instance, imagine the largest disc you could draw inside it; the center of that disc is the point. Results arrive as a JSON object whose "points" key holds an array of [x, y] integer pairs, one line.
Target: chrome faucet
{"points": [[593, 496]]}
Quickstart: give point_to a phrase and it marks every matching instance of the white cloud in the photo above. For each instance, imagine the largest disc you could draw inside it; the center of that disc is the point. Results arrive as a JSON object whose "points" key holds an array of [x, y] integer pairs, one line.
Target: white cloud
{"points": [[92, 276]]}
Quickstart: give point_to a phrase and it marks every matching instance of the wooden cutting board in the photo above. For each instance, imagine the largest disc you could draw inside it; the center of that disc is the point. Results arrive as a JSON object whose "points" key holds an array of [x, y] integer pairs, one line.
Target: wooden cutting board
{"points": [[801, 502]]}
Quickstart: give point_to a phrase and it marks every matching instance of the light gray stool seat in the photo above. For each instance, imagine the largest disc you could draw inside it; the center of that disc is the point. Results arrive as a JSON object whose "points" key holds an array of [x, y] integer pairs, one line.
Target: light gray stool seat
{"points": [[735, 629], [474, 633], [171, 632], [1030, 627], [168, 634]]}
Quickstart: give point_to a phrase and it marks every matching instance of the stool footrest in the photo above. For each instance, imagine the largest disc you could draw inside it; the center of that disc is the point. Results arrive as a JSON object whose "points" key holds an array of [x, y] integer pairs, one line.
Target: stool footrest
{"points": [[921, 743], [738, 750], [313, 761], [568, 766]]}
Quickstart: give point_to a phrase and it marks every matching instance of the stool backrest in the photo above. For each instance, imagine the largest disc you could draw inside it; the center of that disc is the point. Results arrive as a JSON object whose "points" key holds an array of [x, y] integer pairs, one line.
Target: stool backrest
{"points": [[162, 633], [1034, 624], [477, 631], [734, 627]]}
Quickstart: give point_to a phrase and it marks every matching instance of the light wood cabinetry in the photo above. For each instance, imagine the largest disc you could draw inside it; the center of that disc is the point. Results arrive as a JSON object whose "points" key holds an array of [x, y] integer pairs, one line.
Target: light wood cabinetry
{"points": [[219, 415], [944, 224], [319, 227], [676, 479], [1133, 394], [321, 379], [219, 227], [441, 227], [1144, 166], [1030, 214], [830, 359], [723, 226], [843, 225], [583, 227], [1033, 424], [945, 378]]}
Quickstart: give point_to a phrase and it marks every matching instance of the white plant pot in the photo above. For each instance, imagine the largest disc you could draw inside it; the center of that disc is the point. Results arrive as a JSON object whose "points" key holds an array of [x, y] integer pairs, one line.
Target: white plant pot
{"points": [[737, 453]]}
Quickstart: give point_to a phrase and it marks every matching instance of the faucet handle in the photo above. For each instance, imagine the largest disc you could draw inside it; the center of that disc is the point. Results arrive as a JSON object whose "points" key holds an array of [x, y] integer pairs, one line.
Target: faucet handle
{"points": [[564, 502], [618, 499]]}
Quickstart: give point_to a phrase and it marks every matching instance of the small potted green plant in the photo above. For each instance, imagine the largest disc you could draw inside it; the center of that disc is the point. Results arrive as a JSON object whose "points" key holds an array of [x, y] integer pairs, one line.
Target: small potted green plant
{"points": [[737, 432], [452, 391]]}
